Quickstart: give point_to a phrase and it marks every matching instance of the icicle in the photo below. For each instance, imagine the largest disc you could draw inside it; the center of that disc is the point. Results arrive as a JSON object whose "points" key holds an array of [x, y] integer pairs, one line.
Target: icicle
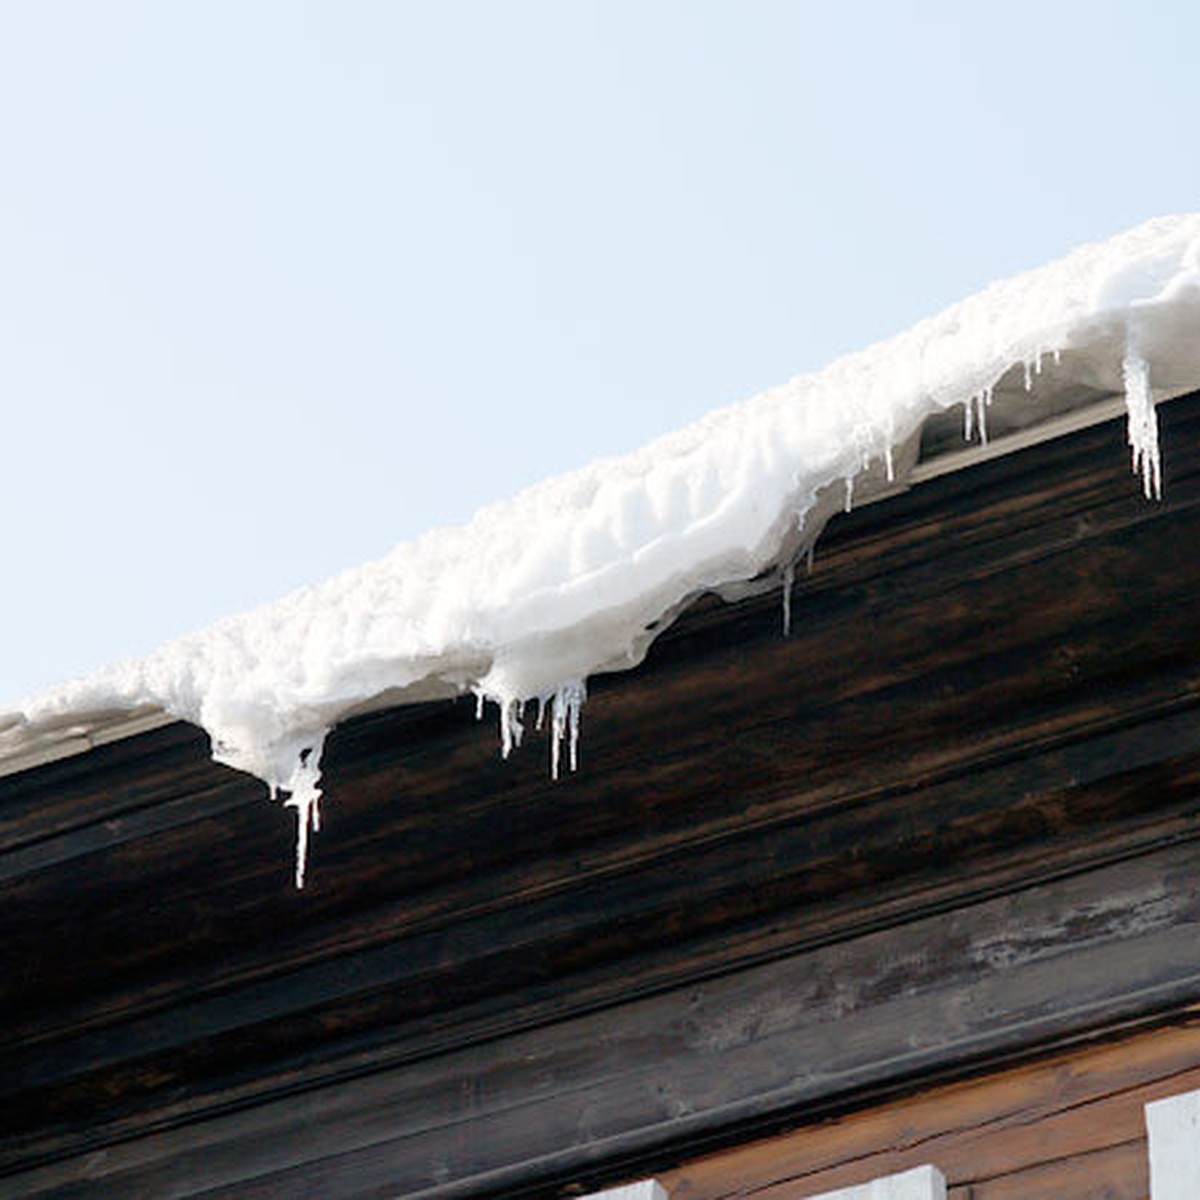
{"points": [[305, 798], [849, 482], [479, 698], [565, 707], [1143, 421], [888, 464], [789, 578], [511, 729], [982, 402], [575, 714], [1028, 376], [975, 415]]}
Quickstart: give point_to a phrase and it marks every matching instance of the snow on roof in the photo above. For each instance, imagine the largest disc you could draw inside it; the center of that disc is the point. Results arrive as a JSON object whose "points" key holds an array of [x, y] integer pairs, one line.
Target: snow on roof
{"points": [[567, 578]]}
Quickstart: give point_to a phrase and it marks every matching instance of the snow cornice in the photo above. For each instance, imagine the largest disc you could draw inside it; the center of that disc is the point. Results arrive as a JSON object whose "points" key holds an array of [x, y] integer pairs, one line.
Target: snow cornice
{"points": [[567, 579]]}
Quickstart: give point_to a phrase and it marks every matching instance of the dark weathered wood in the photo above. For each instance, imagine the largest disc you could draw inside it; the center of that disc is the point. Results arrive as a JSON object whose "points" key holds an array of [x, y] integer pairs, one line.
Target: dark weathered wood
{"points": [[807, 1032], [103, 787], [990, 691]]}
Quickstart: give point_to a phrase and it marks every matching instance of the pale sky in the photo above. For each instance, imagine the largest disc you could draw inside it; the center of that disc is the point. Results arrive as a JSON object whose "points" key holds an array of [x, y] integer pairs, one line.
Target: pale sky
{"points": [[284, 284]]}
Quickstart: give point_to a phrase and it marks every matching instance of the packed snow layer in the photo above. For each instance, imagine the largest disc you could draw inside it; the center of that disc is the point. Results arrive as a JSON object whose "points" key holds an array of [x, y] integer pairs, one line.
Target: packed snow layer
{"points": [[566, 579]]}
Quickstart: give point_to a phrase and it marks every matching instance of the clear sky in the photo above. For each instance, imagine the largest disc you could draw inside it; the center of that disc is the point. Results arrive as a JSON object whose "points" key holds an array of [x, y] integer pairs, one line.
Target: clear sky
{"points": [[285, 283]]}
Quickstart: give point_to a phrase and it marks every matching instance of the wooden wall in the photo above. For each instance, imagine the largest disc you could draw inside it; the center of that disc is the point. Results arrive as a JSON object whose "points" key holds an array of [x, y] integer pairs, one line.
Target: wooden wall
{"points": [[953, 821], [1071, 1127]]}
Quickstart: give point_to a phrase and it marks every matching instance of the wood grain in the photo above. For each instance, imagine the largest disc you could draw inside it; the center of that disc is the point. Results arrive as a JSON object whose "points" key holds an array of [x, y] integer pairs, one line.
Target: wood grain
{"points": [[1069, 1127], [976, 760]]}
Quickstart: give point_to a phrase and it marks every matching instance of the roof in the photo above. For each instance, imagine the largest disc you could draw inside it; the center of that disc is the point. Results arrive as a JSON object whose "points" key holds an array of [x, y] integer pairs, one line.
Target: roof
{"points": [[578, 575]]}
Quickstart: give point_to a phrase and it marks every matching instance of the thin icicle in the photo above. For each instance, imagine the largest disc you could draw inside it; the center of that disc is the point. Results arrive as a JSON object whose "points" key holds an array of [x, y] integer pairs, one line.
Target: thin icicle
{"points": [[789, 578], [969, 417], [305, 798], [982, 402], [849, 482], [888, 463], [1028, 375], [511, 729], [566, 704], [479, 699], [1143, 421]]}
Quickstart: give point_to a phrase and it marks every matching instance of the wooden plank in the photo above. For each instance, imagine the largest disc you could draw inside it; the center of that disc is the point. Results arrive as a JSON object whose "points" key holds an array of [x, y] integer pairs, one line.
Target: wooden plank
{"points": [[570, 801], [1113, 1173], [111, 780], [1068, 1126], [408, 965], [785, 1038]]}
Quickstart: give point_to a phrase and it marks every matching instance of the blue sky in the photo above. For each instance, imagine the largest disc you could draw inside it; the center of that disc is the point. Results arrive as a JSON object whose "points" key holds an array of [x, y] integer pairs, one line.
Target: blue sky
{"points": [[283, 284]]}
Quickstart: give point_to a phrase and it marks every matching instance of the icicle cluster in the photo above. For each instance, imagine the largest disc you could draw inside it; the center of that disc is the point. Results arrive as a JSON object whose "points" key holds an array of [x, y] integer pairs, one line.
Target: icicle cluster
{"points": [[564, 705]]}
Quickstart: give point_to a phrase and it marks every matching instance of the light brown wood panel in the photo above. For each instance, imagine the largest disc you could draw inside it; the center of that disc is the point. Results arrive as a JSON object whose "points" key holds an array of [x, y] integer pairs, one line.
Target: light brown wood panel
{"points": [[1069, 1127], [1114, 1173]]}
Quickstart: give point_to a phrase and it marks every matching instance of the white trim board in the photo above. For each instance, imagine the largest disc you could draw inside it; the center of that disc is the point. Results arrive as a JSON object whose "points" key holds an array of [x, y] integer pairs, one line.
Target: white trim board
{"points": [[649, 1189], [921, 1183], [1173, 1126]]}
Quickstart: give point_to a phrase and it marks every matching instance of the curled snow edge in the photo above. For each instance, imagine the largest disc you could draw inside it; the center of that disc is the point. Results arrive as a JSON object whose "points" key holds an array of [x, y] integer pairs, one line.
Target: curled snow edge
{"points": [[567, 579]]}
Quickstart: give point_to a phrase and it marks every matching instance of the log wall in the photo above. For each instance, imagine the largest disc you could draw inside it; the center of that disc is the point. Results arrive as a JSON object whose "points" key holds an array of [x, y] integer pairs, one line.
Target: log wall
{"points": [[1071, 1127], [950, 824]]}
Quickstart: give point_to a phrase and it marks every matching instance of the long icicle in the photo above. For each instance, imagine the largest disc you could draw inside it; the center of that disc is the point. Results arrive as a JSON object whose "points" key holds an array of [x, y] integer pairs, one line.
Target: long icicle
{"points": [[1143, 420], [789, 579], [305, 798], [566, 705]]}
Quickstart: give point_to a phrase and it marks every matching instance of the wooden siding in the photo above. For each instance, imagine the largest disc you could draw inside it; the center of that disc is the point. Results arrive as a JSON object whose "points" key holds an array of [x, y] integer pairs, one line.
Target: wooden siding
{"points": [[951, 822], [1071, 1127]]}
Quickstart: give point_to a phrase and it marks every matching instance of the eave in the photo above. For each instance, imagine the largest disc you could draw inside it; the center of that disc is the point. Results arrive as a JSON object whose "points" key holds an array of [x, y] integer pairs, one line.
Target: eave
{"points": [[986, 730]]}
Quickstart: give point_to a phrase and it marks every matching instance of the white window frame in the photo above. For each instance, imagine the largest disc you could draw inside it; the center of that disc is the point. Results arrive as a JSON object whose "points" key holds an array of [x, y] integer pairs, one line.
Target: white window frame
{"points": [[1173, 1128], [921, 1183], [648, 1189]]}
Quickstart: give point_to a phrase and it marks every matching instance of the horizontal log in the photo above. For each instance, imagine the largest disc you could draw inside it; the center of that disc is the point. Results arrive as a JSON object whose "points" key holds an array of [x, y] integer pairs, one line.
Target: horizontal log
{"points": [[1073, 1121], [848, 1020]]}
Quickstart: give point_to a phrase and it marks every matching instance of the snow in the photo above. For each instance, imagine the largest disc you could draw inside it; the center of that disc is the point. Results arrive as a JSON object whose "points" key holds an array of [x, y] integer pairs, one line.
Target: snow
{"points": [[568, 578]]}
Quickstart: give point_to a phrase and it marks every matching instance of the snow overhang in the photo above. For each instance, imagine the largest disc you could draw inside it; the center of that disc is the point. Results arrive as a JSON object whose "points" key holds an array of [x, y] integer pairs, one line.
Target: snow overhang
{"points": [[577, 575]]}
